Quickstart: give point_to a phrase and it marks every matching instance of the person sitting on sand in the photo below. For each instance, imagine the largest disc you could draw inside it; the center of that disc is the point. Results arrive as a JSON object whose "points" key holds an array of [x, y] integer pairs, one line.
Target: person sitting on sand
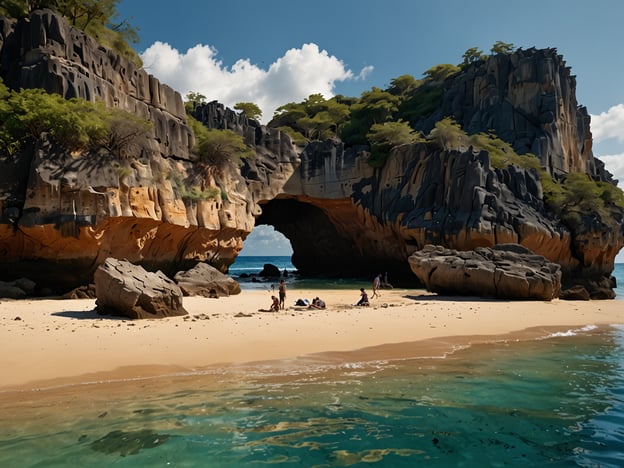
{"points": [[363, 298], [317, 303], [275, 306]]}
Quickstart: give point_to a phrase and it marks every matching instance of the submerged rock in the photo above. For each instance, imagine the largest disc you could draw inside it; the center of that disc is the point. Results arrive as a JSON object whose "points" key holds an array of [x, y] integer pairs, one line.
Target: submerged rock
{"points": [[129, 443]]}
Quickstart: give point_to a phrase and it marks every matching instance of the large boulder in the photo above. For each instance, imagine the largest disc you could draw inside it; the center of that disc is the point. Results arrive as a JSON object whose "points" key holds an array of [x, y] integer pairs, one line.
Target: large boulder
{"points": [[128, 290], [505, 271], [205, 280], [270, 271]]}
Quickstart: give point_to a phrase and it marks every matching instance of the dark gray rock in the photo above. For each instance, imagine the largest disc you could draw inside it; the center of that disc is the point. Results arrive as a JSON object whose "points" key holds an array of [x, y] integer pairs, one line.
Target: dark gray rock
{"points": [[504, 271], [269, 271], [205, 280], [575, 293], [128, 290], [9, 290], [44, 51]]}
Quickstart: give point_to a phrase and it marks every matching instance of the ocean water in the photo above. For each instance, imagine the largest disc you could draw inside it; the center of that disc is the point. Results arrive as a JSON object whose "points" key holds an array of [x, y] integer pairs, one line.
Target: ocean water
{"points": [[556, 401], [252, 265]]}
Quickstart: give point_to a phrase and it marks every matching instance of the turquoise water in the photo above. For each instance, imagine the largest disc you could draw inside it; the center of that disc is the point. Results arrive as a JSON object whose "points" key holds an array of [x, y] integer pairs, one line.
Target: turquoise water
{"points": [[555, 401]]}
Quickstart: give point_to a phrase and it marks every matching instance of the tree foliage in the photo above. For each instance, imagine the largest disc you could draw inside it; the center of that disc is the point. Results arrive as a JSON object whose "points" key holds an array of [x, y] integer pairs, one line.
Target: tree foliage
{"points": [[578, 197], [251, 110], [76, 124], [439, 73], [383, 137], [316, 118], [448, 135], [501, 47], [374, 107], [472, 55], [193, 100], [214, 147]]}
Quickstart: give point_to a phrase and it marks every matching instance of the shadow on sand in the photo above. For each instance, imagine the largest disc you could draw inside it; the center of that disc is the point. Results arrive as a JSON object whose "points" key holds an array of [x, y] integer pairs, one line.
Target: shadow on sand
{"points": [[88, 315], [436, 298]]}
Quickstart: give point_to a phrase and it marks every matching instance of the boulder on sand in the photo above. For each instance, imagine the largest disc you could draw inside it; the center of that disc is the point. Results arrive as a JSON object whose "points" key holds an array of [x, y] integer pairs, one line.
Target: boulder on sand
{"points": [[505, 271], [128, 290], [205, 280]]}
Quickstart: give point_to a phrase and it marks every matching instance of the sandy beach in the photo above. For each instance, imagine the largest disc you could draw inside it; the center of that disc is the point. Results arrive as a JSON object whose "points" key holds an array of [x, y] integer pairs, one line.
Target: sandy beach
{"points": [[49, 342]]}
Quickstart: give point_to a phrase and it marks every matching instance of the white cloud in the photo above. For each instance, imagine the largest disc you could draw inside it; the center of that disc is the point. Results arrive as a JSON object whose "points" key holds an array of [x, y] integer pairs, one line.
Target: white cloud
{"points": [[609, 124], [614, 163], [364, 72], [291, 78], [265, 240]]}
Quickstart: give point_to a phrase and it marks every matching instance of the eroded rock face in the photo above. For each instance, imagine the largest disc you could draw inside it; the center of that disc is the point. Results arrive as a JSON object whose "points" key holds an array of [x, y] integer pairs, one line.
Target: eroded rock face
{"points": [[529, 99], [44, 51], [64, 214], [127, 290], [506, 271]]}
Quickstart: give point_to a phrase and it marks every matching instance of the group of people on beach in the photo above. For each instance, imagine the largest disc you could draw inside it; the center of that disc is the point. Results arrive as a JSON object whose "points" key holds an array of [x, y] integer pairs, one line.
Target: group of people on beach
{"points": [[317, 303]]}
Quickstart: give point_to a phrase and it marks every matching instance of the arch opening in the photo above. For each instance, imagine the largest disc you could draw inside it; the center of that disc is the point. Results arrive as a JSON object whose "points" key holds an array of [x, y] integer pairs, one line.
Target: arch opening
{"points": [[320, 248]]}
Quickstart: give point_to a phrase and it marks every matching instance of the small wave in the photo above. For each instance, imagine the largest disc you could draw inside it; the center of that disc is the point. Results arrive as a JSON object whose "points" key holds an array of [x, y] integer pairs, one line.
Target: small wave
{"points": [[571, 332]]}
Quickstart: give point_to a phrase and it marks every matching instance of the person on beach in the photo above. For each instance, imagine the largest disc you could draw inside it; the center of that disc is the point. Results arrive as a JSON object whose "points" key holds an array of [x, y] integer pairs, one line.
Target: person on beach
{"points": [[363, 298], [275, 306], [376, 286], [282, 294], [317, 303]]}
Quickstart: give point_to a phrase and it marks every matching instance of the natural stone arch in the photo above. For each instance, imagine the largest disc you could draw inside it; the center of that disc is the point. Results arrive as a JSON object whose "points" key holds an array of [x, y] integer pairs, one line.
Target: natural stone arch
{"points": [[319, 246]]}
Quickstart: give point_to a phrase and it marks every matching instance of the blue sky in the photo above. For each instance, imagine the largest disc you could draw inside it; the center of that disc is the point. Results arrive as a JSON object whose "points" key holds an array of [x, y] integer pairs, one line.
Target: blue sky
{"points": [[281, 51]]}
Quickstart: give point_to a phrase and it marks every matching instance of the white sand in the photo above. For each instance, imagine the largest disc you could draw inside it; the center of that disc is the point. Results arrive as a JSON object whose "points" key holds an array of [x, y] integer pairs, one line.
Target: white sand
{"points": [[65, 341]]}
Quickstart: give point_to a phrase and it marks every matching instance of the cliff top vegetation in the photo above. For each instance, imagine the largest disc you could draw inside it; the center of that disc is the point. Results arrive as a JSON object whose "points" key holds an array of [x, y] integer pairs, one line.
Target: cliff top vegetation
{"points": [[98, 18]]}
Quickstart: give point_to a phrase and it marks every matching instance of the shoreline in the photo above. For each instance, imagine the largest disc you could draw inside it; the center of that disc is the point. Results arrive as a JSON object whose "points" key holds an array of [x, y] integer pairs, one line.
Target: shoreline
{"points": [[59, 342]]}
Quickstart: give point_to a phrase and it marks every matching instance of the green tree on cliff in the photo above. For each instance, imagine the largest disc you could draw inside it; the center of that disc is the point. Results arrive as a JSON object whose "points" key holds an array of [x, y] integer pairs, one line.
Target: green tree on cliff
{"points": [[501, 47], [316, 118], [193, 99], [374, 107], [383, 137], [403, 85], [251, 110], [472, 55], [75, 124], [215, 147], [448, 135]]}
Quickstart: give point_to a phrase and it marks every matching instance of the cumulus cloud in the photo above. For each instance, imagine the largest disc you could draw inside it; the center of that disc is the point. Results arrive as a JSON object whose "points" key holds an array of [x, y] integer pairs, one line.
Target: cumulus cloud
{"points": [[614, 163], [609, 124], [265, 240], [291, 78]]}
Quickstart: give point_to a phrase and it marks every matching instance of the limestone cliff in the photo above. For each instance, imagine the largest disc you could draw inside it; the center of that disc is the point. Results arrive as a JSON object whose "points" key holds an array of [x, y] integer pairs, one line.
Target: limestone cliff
{"points": [[64, 213]]}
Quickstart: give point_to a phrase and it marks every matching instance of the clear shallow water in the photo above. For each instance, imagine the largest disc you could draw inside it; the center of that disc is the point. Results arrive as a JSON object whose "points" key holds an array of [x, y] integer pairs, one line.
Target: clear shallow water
{"points": [[556, 401]]}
